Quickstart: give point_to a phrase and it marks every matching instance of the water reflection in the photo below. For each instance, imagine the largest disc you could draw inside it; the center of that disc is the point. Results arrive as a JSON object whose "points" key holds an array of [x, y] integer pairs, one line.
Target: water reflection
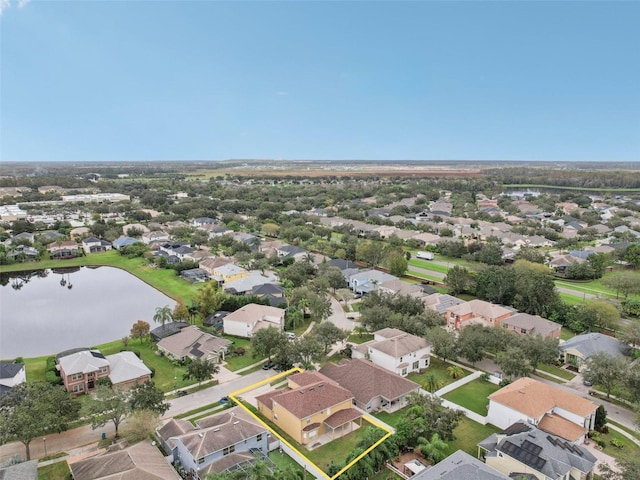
{"points": [[43, 312]]}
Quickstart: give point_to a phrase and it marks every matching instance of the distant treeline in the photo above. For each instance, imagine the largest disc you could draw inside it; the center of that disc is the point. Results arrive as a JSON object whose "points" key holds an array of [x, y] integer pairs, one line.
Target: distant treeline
{"points": [[568, 178]]}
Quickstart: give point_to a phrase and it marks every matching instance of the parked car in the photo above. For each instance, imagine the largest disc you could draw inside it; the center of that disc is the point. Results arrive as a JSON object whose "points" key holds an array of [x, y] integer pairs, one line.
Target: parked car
{"points": [[224, 399], [268, 364]]}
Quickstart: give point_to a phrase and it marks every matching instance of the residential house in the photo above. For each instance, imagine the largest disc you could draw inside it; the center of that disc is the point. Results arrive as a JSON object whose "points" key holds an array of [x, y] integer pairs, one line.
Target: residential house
{"points": [[203, 221], [311, 407], [523, 451], [396, 351], [560, 263], [245, 285], [366, 281], [94, 245], [551, 409], [460, 466], [373, 387], [271, 291], [402, 288], [476, 311], [11, 374], [247, 320], [210, 264], [291, 251], [22, 236], [216, 444], [141, 461], [217, 231], [166, 330], [526, 324], [441, 302], [22, 252], [123, 241], [195, 275], [177, 249], [82, 370], [578, 350], [136, 228], [427, 239], [155, 236], [60, 250], [191, 342], [199, 255], [228, 273]]}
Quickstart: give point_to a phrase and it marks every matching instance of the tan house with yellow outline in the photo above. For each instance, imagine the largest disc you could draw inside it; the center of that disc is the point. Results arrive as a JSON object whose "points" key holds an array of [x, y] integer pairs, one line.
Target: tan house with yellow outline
{"points": [[311, 406]]}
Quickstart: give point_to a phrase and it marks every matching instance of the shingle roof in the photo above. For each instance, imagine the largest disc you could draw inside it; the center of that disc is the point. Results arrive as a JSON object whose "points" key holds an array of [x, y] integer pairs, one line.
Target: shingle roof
{"points": [[10, 369], [367, 381], [460, 466], [588, 344], [313, 398], [142, 461], [561, 427], [342, 416], [480, 307], [400, 344], [541, 452], [233, 426], [534, 324], [534, 399], [182, 343], [126, 366], [83, 362]]}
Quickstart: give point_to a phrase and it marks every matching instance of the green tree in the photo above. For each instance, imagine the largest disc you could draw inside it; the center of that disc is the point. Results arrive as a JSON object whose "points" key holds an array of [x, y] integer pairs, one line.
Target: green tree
{"points": [[108, 405], [624, 283], [140, 424], [370, 252], [433, 449], [513, 362], [146, 396], [458, 280], [471, 343], [308, 348], [432, 383], [201, 370], [163, 315], [627, 469], [424, 416], [606, 370], [209, 299], [333, 275], [266, 340], [534, 288], [180, 312], [599, 313], [328, 334], [539, 349], [496, 284], [140, 330], [30, 410], [396, 263], [632, 255], [320, 307], [443, 343]]}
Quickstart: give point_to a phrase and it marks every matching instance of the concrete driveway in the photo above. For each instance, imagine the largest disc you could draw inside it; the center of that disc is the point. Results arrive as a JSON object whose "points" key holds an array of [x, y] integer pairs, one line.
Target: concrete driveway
{"points": [[338, 316]]}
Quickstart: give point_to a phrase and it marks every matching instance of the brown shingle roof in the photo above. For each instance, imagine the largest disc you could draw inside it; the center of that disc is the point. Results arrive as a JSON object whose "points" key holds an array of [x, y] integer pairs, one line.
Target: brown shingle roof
{"points": [[561, 427], [313, 398], [343, 416], [367, 381], [534, 399]]}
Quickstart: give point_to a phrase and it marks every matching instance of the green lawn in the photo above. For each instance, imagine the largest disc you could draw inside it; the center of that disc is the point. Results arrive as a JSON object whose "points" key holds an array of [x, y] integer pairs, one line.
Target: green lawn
{"points": [[357, 338], [438, 368], [392, 419], [386, 474], [235, 362], [473, 395], [468, 434], [55, 471], [558, 372], [630, 451], [284, 461], [566, 334], [336, 451], [35, 367]]}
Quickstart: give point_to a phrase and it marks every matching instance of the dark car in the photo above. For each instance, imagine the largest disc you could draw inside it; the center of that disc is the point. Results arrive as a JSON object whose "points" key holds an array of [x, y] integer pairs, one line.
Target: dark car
{"points": [[269, 364], [224, 400]]}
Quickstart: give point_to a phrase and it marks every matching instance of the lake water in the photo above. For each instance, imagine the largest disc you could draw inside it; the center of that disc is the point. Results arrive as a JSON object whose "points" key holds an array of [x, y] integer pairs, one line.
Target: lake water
{"points": [[41, 315]]}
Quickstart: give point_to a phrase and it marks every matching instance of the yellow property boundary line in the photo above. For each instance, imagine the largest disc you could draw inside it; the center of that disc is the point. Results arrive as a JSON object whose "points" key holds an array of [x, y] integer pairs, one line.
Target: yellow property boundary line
{"points": [[368, 417]]}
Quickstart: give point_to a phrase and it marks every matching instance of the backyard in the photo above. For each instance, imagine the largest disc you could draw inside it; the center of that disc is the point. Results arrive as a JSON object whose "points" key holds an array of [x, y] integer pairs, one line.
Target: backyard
{"points": [[468, 434], [473, 395], [438, 369]]}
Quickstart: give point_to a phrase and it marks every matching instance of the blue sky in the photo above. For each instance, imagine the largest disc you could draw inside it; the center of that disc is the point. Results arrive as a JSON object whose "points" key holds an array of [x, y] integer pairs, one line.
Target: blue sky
{"points": [[209, 80]]}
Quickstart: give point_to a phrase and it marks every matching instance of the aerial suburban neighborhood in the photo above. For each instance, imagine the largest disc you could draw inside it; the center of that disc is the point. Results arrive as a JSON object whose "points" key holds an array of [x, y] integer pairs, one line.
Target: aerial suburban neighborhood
{"points": [[382, 327]]}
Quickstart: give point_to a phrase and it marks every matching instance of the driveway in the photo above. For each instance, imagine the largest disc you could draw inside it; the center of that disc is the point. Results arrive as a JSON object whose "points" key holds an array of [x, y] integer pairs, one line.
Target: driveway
{"points": [[338, 316]]}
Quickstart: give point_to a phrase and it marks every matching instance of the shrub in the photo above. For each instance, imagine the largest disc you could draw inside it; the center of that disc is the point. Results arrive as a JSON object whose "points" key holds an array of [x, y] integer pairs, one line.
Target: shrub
{"points": [[105, 381], [617, 443], [52, 378], [51, 364], [485, 376], [239, 351]]}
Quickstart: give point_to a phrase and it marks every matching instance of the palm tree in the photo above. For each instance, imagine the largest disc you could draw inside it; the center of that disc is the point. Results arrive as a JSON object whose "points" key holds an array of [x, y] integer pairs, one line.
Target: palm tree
{"points": [[455, 372], [432, 383], [433, 449], [163, 315]]}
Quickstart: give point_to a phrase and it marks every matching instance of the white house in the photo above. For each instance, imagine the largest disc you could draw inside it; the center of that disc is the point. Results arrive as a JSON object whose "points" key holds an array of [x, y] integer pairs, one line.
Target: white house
{"points": [[12, 374], [366, 281], [247, 320], [396, 351], [550, 409]]}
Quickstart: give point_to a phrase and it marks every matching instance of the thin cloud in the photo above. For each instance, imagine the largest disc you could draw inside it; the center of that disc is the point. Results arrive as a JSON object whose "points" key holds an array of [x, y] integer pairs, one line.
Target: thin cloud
{"points": [[7, 4], [282, 93]]}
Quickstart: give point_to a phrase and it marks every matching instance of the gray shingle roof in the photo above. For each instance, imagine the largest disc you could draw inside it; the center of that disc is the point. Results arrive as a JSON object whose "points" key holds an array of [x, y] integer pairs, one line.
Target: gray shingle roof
{"points": [[10, 369], [460, 466], [588, 344]]}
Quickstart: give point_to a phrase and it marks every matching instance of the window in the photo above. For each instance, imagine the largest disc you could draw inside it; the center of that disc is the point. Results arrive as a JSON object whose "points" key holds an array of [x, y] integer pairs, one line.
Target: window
{"points": [[416, 365], [78, 388], [404, 372], [523, 330], [308, 420], [228, 450], [200, 460], [275, 416], [259, 437], [76, 376]]}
